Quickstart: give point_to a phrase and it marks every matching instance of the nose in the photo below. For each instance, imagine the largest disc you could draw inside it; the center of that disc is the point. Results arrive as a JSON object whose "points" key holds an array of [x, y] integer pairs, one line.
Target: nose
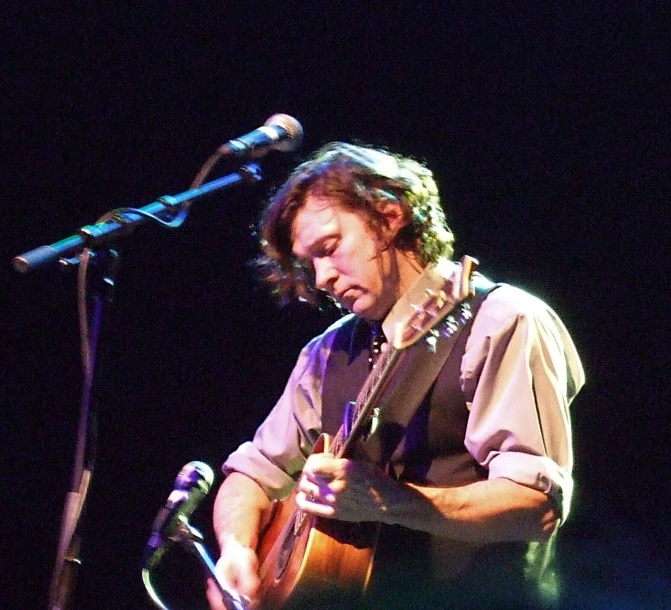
{"points": [[325, 273]]}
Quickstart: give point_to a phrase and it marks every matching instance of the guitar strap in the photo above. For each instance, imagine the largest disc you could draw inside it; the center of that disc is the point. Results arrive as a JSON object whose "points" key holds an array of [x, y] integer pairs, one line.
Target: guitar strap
{"points": [[416, 372]]}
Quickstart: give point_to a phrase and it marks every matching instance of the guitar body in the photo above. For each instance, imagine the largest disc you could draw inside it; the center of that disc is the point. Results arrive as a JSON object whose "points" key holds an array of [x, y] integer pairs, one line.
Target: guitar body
{"points": [[301, 554]]}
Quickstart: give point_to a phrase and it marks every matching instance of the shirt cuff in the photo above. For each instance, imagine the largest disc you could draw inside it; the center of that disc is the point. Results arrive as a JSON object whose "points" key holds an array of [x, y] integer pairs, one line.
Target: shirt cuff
{"points": [[537, 472], [248, 460]]}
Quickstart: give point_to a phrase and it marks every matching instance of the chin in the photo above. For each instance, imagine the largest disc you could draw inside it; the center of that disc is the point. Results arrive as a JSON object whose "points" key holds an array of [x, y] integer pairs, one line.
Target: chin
{"points": [[358, 309], [365, 310]]}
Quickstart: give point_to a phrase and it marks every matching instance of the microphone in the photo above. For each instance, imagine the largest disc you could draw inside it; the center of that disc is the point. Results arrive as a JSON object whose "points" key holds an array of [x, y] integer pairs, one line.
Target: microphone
{"points": [[191, 486], [280, 132]]}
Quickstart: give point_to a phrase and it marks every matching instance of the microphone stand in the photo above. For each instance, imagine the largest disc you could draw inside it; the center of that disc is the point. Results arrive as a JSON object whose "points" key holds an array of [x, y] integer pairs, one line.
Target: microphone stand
{"points": [[104, 266], [84, 251], [122, 221], [192, 540]]}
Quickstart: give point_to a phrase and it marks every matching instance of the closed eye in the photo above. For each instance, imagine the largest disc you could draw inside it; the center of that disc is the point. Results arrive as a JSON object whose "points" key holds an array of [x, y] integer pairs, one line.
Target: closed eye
{"points": [[327, 248], [321, 249]]}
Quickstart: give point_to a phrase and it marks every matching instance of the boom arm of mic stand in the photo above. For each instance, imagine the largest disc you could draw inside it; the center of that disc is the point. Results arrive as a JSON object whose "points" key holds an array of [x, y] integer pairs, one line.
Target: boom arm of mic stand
{"points": [[191, 539], [92, 236]]}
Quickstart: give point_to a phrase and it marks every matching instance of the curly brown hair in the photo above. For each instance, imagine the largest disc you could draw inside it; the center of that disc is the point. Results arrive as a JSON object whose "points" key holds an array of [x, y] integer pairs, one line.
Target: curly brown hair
{"points": [[359, 178]]}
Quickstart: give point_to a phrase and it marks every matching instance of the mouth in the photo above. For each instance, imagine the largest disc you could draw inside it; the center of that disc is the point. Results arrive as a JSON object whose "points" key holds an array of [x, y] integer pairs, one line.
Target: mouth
{"points": [[345, 295]]}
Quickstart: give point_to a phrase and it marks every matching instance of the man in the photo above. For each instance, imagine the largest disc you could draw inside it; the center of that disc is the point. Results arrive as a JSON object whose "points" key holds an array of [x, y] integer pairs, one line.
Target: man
{"points": [[479, 477]]}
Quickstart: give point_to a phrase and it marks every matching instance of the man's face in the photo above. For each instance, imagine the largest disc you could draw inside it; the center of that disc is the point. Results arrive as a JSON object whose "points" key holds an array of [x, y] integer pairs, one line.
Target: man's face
{"points": [[350, 261]]}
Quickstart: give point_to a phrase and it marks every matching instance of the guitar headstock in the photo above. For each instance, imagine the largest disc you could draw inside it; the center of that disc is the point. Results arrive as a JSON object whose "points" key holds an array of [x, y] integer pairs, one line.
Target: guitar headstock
{"points": [[431, 305]]}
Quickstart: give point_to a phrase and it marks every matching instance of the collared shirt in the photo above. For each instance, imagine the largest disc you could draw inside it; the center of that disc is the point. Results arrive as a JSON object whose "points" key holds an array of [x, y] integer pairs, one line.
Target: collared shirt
{"points": [[519, 373]]}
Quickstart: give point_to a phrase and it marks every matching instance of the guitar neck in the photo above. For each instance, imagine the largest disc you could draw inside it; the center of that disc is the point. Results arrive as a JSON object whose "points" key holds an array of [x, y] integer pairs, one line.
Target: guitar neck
{"points": [[367, 400]]}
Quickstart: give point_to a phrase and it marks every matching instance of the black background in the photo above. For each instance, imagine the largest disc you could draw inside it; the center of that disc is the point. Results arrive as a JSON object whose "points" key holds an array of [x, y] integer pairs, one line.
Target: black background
{"points": [[547, 127]]}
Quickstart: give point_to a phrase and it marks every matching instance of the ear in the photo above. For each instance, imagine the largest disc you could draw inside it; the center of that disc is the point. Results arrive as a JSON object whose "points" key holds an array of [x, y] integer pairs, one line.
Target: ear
{"points": [[393, 212]]}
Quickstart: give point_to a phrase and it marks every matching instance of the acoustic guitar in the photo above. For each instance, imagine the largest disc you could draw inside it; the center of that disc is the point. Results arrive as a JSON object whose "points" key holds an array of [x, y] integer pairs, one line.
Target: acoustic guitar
{"points": [[300, 553]]}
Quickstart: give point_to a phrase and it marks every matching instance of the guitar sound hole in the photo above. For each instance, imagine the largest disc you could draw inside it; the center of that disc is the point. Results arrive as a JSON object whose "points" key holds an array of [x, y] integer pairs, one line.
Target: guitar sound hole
{"points": [[288, 545]]}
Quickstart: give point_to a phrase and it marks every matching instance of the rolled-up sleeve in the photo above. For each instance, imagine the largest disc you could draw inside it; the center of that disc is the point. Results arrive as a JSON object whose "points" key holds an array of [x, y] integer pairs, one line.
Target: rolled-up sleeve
{"points": [[520, 373], [276, 455]]}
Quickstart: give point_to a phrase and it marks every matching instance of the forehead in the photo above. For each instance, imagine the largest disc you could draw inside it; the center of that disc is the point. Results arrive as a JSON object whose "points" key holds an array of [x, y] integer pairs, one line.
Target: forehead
{"points": [[316, 219]]}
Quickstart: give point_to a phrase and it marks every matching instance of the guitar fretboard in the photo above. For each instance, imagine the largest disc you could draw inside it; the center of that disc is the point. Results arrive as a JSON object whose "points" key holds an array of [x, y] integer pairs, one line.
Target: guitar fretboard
{"points": [[366, 400]]}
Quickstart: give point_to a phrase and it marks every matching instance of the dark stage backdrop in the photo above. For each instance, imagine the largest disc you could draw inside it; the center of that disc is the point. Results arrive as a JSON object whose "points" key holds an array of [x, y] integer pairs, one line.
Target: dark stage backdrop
{"points": [[547, 127]]}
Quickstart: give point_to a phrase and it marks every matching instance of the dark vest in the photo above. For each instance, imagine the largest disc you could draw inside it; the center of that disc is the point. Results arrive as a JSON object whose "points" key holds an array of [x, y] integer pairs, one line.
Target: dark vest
{"points": [[429, 451]]}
